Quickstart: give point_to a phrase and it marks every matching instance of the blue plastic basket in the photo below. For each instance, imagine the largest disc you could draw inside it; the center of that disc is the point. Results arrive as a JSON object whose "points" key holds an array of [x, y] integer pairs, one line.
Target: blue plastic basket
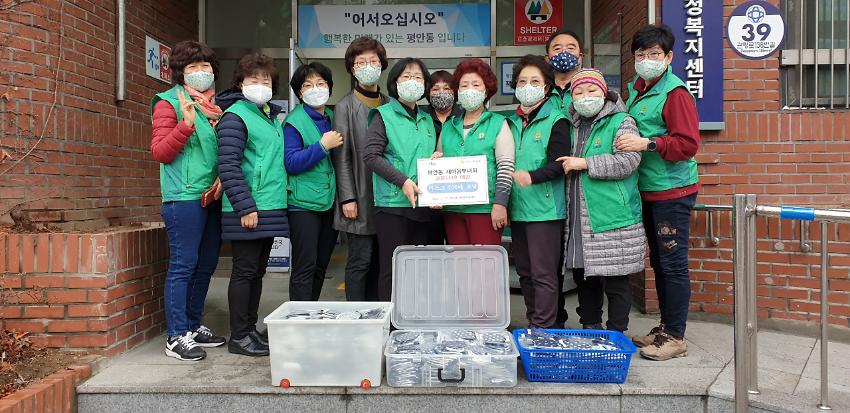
{"points": [[578, 366]]}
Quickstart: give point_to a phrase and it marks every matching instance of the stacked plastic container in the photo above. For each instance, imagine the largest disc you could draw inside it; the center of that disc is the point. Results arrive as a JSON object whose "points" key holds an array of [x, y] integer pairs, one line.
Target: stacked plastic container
{"points": [[305, 352], [452, 306]]}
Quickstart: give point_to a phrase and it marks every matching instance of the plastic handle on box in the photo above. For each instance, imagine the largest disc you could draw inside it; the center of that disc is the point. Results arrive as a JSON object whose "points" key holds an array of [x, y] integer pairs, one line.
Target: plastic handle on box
{"points": [[461, 379]]}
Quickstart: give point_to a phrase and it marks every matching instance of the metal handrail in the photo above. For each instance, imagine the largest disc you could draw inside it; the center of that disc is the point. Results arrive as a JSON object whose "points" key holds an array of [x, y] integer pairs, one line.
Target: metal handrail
{"points": [[744, 213]]}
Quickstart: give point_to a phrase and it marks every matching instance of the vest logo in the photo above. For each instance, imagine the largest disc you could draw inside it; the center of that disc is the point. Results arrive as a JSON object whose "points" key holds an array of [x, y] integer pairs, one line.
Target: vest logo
{"points": [[643, 109], [537, 136], [481, 136], [597, 143], [538, 11]]}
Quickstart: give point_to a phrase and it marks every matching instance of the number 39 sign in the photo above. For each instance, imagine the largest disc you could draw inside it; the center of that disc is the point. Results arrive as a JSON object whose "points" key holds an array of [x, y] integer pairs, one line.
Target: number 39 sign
{"points": [[755, 29]]}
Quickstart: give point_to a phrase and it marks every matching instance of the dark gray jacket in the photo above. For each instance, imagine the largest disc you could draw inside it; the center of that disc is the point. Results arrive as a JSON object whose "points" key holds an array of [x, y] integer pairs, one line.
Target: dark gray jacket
{"points": [[353, 178]]}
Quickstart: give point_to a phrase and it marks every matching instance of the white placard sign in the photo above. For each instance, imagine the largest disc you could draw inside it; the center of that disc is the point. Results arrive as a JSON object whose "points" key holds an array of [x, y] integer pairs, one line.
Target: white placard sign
{"points": [[755, 29], [458, 180]]}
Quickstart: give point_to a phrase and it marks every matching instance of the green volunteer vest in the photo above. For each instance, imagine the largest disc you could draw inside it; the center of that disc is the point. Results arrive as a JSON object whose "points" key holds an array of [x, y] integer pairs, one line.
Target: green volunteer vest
{"points": [[314, 189], [481, 140], [544, 201], [196, 167], [655, 173], [262, 160], [611, 204], [409, 139], [563, 103]]}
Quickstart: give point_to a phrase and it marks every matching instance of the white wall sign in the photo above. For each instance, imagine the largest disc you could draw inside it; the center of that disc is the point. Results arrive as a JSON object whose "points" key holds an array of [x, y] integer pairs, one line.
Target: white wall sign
{"points": [[157, 60], [505, 88], [755, 29]]}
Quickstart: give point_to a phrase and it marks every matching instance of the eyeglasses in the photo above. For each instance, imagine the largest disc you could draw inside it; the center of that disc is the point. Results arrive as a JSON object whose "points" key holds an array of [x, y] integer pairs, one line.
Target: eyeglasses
{"points": [[321, 84], [406, 76], [654, 55], [532, 82], [363, 63]]}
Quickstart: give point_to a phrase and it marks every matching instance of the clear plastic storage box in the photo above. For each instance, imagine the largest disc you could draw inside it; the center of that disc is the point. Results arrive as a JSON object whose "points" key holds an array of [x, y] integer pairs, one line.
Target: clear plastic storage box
{"points": [[452, 306], [330, 352]]}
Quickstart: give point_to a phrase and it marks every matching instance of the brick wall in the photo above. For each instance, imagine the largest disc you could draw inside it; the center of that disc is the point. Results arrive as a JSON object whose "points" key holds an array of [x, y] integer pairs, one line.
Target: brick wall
{"points": [[92, 166], [99, 292]]}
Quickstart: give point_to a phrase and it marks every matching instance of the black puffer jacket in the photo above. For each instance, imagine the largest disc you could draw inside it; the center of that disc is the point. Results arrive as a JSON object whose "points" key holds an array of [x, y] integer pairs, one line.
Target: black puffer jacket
{"points": [[232, 137]]}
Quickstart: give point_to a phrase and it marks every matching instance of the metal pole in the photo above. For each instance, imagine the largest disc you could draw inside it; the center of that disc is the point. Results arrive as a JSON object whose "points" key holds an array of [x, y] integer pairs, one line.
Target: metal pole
{"points": [[824, 317], [817, 49], [740, 259], [752, 304], [804, 244], [121, 51], [650, 15]]}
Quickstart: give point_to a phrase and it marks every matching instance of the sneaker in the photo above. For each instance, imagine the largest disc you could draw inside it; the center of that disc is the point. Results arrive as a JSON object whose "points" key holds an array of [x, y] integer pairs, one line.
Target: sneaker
{"points": [[643, 341], [247, 346], [665, 347], [184, 348], [204, 337], [597, 326]]}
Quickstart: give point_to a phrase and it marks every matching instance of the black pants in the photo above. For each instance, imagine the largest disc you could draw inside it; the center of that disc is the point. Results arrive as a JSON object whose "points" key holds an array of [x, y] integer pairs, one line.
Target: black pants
{"points": [[537, 250], [361, 270], [394, 231], [313, 240], [250, 259], [590, 299]]}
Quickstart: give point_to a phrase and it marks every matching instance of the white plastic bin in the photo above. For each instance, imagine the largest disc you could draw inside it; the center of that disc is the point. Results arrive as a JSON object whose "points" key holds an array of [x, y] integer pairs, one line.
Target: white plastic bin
{"points": [[441, 292], [327, 352]]}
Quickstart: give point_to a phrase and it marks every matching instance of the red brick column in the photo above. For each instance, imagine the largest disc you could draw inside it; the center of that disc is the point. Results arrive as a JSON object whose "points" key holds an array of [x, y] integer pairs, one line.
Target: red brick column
{"points": [[99, 292]]}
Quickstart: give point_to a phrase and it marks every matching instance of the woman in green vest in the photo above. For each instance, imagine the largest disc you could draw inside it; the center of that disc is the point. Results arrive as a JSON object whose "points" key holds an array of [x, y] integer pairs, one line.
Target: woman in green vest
{"points": [[399, 134], [184, 143], [308, 140], [541, 136], [478, 132], [605, 241], [250, 163], [666, 114]]}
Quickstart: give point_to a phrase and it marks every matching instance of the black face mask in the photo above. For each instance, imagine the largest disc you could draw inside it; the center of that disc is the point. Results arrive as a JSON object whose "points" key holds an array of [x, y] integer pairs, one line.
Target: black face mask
{"points": [[442, 100]]}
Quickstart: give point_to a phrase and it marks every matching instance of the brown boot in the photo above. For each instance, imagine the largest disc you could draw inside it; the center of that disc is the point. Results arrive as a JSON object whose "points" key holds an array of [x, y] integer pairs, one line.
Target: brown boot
{"points": [[643, 341], [665, 347]]}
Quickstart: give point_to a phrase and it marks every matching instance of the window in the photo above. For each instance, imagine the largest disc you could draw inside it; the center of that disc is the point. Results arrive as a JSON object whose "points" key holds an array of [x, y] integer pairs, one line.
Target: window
{"points": [[814, 64]]}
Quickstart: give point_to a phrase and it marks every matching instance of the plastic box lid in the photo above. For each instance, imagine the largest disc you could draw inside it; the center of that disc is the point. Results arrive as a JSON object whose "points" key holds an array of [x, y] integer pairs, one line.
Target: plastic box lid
{"points": [[450, 286]]}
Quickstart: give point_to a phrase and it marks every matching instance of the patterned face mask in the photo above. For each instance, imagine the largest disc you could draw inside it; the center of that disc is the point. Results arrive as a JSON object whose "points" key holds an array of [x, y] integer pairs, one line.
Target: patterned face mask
{"points": [[442, 100], [410, 90], [590, 106], [564, 62], [471, 99], [528, 95]]}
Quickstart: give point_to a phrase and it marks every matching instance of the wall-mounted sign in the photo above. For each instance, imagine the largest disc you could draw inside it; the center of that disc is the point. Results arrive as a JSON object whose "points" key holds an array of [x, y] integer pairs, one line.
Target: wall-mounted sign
{"points": [[536, 20], [157, 60], [419, 25], [698, 26], [756, 29]]}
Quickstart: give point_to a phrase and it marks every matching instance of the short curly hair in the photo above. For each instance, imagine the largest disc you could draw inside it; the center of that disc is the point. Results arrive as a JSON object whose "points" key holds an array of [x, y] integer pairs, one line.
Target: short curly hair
{"points": [[477, 66], [252, 64], [538, 62], [187, 52]]}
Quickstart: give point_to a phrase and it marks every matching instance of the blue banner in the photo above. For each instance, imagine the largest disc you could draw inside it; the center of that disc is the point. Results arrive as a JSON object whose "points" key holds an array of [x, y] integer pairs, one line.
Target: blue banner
{"points": [[422, 25], [698, 27]]}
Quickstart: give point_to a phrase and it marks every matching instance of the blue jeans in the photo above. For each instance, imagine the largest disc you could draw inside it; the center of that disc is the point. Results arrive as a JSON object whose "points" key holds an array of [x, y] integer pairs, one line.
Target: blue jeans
{"points": [[194, 240], [667, 225]]}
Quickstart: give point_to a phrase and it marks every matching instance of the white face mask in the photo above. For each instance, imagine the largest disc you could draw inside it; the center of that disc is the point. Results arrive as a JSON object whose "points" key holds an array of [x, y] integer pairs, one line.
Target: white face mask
{"points": [[410, 90], [257, 94], [590, 106], [649, 69], [471, 99], [316, 96], [528, 94], [200, 80], [368, 75]]}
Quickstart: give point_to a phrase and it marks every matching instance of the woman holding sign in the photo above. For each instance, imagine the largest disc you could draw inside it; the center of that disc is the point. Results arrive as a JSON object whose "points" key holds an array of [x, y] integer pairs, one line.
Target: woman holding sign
{"points": [[478, 132], [399, 134], [541, 135]]}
